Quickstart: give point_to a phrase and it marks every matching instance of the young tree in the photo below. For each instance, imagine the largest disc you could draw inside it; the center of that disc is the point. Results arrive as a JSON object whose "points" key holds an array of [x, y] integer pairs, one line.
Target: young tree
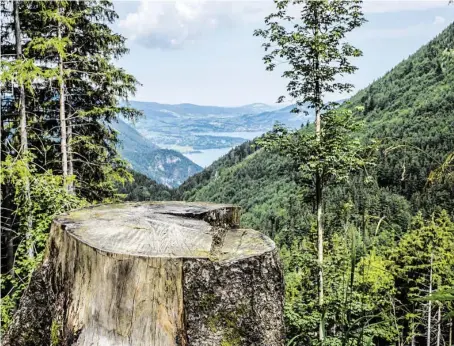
{"points": [[23, 115], [312, 44]]}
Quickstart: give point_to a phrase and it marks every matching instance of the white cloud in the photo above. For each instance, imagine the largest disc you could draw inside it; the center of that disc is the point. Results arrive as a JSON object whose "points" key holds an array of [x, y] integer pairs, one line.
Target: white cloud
{"points": [[439, 20], [171, 24]]}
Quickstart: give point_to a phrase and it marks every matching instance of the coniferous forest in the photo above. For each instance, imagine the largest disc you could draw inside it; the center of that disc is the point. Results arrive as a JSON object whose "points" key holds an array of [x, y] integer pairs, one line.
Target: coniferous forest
{"points": [[360, 202]]}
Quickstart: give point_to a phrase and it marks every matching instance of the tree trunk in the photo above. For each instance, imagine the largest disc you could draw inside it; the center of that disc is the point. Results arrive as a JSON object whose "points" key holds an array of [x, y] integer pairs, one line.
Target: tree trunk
{"points": [[23, 116], [319, 207], [319, 188], [70, 156], [157, 274], [429, 313], [63, 146], [439, 326], [23, 128], [451, 332]]}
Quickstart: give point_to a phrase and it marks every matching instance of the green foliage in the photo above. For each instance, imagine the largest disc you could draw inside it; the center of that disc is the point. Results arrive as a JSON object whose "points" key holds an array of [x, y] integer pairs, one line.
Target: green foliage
{"points": [[313, 44], [48, 198], [424, 257], [336, 153], [23, 72], [78, 36], [142, 188], [409, 110], [94, 87]]}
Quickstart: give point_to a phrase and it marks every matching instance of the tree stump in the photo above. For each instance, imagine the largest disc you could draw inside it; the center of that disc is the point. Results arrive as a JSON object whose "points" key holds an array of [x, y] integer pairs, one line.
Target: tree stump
{"points": [[157, 274]]}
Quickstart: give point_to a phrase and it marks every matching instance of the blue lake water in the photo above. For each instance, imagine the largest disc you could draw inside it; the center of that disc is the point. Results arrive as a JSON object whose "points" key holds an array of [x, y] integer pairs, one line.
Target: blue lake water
{"points": [[245, 135], [206, 157]]}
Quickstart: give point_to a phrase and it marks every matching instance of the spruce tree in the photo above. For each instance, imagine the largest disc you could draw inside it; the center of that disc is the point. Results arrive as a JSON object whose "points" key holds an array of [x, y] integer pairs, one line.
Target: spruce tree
{"points": [[74, 40]]}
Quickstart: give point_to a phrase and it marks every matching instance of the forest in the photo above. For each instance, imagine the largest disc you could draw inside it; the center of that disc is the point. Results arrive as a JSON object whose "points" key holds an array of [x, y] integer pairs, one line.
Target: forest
{"points": [[384, 225], [360, 203]]}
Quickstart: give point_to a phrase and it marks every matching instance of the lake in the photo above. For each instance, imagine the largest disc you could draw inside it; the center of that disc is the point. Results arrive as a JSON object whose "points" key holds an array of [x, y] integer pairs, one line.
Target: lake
{"points": [[206, 157], [245, 135]]}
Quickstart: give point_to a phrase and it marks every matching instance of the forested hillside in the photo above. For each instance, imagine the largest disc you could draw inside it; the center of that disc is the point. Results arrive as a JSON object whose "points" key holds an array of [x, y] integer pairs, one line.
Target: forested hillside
{"points": [[376, 228], [168, 167], [410, 110], [143, 188]]}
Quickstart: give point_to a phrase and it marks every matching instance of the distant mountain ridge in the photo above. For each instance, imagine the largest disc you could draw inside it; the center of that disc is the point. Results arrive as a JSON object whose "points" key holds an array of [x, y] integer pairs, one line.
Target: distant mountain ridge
{"points": [[167, 167], [184, 126], [202, 110], [148, 143]]}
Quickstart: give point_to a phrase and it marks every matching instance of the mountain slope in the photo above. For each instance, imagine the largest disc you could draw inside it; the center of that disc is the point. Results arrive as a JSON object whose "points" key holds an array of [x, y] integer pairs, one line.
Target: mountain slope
{"points": [[143, 188], [413, 106], [131, 139], [180, 118], [167, 167], [410, 109]]}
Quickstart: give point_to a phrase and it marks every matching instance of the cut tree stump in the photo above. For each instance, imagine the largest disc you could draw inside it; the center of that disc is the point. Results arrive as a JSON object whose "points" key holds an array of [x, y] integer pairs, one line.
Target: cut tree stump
{"points": [[157, 274]]}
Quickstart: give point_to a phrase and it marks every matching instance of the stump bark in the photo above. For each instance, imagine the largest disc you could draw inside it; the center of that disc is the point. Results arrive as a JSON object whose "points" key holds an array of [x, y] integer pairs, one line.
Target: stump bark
{"points": [[159, 274]]}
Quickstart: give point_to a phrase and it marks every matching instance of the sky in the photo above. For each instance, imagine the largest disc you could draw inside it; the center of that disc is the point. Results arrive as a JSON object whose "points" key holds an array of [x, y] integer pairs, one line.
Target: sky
{"points": [[204, 52]]}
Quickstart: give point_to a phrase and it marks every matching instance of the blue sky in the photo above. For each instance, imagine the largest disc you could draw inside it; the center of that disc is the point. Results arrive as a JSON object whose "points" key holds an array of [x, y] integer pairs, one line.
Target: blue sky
{"points": [[203, 52]]}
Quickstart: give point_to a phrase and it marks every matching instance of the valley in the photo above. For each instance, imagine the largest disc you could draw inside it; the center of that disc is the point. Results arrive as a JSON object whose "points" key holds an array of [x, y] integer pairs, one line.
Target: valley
{"points": [[204, 133], [170, 143], [332, 226]]}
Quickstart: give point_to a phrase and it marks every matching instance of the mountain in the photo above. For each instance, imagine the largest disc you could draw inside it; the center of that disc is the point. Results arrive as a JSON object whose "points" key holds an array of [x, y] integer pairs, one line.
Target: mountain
{"points": [[151, 144], [167, 167], [188, 109], [410, 110], [144, 189], [260, 108], [131, 140], [191, 127]]}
